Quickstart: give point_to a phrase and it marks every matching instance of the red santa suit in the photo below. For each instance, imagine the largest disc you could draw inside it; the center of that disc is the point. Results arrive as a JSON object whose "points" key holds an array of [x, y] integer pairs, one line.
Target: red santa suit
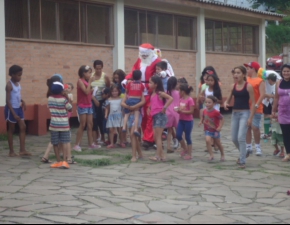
{"points": [[147, 72]]}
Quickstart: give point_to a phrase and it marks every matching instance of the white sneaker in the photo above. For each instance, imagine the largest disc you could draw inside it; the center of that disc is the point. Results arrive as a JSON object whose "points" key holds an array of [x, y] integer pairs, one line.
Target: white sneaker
{"points": [[259, 151], [175, 143], [249, 150], [77, 148]]}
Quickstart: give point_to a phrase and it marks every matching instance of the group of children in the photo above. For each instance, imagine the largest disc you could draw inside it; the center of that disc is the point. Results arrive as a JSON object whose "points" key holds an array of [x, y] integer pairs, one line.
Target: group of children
{"points": [[172, 109]]}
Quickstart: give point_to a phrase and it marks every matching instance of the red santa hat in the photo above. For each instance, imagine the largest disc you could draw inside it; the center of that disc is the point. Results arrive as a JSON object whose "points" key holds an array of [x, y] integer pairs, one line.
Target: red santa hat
{"points": [[146, 48]]}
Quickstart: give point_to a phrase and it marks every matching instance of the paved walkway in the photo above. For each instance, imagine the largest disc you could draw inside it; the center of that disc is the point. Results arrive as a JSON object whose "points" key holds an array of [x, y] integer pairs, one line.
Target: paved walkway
{"points": [[176, 192]]}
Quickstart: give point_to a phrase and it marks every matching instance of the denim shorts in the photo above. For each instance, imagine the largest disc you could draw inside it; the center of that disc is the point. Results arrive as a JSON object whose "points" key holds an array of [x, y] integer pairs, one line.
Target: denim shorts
{"points": [[132, 119], [160, 120], [131, 102], [214, 135], [9, 116], [60, 137], [83, 111], [257, 120]]}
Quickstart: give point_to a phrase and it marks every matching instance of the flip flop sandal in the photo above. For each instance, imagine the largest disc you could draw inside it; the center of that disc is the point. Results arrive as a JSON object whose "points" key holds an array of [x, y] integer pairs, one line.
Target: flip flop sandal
{"points": [[276, 152], [137, 134], [211, 159], [242, 166], [13, 155], [25, 154], [187, 158], [282, 155], [170, 151], [72, 161], [183, 153], [155, 159], [46, 161]]}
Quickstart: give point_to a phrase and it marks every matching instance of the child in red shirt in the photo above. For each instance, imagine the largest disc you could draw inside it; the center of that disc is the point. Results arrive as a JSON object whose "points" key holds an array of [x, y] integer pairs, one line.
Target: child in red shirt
{"points": [[135, 91], [213, 122]]}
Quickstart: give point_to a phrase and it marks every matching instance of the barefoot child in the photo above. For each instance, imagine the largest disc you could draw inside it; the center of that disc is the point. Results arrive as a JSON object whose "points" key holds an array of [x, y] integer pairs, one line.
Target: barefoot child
{"points": [[59, 107], [114, 115], [160, 101], [136, 144], [213, 122], [185, 125], [135, 91], [14, 110]]}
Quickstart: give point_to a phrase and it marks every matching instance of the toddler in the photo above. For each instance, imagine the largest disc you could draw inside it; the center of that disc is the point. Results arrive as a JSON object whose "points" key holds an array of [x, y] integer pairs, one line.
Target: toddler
{"points": [[14, 110], [114, 115], [161, 71], [59, 126], [135, 90], [213, 122]]}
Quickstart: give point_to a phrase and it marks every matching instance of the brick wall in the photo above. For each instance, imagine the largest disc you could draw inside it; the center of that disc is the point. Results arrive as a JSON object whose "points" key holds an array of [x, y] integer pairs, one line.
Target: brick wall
{"points": [[41, 60], [224, 63], [183, 63]]}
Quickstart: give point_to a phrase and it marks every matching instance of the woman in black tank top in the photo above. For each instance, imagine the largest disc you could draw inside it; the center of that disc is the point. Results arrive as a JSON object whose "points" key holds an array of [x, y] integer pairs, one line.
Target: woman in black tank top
{"points": [[243, 112]]}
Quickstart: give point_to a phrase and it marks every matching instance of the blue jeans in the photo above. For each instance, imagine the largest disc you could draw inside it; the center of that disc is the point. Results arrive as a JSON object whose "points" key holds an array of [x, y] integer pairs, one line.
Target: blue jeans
{"points": [[239, 132], [186, 127]]}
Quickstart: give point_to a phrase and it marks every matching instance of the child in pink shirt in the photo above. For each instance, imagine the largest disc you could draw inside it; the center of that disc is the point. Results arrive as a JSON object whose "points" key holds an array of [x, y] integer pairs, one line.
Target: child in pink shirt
{"points": [[185, 125]]}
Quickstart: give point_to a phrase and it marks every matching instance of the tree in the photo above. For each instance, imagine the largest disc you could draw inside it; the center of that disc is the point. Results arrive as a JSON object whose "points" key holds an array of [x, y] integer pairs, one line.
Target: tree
{"points": [[279, 5]]}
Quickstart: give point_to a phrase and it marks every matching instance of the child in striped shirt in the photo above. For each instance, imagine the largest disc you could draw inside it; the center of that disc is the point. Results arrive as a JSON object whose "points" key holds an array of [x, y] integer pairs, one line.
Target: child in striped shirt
{"points": [[59, 107]]}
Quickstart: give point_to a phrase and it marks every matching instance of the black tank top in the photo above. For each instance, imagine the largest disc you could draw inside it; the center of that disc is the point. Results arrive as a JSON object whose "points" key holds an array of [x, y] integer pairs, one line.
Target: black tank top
{"points": [[242, 98]]}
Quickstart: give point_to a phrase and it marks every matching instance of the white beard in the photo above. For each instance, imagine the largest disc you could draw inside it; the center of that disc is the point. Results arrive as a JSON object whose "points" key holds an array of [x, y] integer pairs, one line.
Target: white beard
{"points": [[148, 61]]}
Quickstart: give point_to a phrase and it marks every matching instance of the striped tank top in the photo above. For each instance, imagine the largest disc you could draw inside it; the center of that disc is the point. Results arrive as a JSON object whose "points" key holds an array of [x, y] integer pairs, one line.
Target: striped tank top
{"points": [[101, 84]]}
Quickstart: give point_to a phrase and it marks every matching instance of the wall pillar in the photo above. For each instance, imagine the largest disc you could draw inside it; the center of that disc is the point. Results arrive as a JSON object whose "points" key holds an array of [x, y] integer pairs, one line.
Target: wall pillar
{"points": [[262, 44], [119, 35], [201, 46], [2, 54], [2, 67]]}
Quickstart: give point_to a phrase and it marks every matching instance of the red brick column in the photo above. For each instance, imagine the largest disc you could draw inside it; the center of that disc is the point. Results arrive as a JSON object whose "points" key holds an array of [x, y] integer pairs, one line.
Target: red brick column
{"points": [[3, 124]]}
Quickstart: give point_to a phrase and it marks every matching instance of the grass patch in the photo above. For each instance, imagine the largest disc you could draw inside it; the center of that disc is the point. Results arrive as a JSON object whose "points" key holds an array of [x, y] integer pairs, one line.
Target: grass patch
{"points": [[3, 137], [94, 163], [116, 159]]}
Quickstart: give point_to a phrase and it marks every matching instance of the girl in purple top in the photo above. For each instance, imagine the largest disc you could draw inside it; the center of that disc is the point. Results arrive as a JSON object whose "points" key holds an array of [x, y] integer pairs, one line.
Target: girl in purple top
{"points": [[160, 101], [282, 99]]}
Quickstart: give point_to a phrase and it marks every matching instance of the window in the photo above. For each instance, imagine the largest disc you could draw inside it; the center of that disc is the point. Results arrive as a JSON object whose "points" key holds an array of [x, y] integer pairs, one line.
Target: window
{"points": [[162, 30], [16, 18], [71, 21], [230, 37]]}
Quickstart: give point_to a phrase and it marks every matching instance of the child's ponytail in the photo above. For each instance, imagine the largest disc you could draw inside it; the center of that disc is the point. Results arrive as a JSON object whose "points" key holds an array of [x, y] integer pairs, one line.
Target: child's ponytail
{"points": [[186, 88]]}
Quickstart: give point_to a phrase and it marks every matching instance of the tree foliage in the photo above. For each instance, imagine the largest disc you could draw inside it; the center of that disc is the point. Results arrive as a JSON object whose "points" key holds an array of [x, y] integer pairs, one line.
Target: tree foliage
{"points": [[276, 35], [279, 5]]}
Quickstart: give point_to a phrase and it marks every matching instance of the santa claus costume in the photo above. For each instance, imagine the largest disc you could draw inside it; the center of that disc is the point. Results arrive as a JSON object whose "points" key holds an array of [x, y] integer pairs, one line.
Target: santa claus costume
{"points": [[146, 63]]}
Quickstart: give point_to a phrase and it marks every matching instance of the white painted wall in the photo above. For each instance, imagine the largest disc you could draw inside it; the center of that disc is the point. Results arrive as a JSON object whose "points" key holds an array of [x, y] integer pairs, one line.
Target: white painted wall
{"points": [[119, 35], [2, 55], [262, 43], [201, 46]]}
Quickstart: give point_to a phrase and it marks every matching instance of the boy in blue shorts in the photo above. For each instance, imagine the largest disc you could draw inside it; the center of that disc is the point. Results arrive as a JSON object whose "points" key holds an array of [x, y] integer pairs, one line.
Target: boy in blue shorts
{"points": [[14, 110]]}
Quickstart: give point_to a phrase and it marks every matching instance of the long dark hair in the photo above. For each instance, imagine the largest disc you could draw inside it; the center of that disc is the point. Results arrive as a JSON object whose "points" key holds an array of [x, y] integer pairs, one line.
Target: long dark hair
{"points": [[210, 70], [171, 85], [157, 80], [186, 88], [217, 92], [283, 67], [121, 75]]}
